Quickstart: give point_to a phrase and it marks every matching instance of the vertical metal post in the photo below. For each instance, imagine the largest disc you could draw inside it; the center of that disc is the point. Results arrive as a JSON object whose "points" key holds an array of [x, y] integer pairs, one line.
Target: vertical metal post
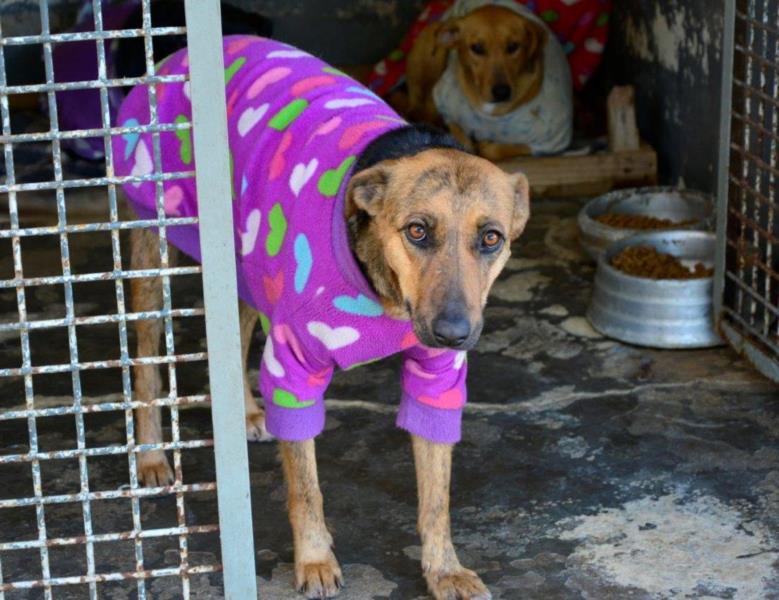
{"points": [[723, 167], [209, 116]]}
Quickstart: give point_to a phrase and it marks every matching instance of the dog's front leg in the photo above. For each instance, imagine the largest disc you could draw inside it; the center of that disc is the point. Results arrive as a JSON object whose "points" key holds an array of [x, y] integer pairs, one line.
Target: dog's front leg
{"points": [[317, 573], [446, 578]]}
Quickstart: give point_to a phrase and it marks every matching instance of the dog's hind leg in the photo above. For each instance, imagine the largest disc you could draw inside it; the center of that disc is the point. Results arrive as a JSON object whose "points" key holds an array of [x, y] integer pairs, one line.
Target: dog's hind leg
{"points": [[446, 578], [317, 573], [146, 295], [255, 415]]}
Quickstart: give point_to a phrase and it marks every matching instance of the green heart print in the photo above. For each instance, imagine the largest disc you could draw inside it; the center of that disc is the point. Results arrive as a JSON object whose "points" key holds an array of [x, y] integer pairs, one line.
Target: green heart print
{"points": [[330, 181], [334, 71], [264, 323], [233, 68], [281, 120], [287, 399], [185, 139], [278, 229]]}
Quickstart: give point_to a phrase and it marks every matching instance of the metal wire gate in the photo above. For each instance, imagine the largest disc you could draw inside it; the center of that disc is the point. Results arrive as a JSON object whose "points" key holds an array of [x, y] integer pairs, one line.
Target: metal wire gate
{"points": [[58, 523], [746, 295]]}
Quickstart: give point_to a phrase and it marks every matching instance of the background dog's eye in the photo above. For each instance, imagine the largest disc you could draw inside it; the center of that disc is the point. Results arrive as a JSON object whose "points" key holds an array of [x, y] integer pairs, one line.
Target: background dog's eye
{"points": [[416, 232], [491, 241], [478, 48], [512, 47]]}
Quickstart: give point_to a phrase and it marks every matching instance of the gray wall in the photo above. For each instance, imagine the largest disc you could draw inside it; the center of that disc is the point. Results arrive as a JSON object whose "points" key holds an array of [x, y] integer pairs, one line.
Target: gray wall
{"points": [[343, 32], [671, 51]]}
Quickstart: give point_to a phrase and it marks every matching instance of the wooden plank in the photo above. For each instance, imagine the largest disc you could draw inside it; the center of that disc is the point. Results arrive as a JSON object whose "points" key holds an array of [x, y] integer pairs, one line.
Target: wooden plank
{"points": [[621, 115], [586, 175]]}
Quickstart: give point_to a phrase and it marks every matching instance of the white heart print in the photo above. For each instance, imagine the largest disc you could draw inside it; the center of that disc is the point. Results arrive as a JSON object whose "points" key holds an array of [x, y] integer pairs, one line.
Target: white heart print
{"points": [[143, 164], [333, 337], [274, 367], [593, 45], [250, 117], [249, 237], [301, 174], [347, 103]]}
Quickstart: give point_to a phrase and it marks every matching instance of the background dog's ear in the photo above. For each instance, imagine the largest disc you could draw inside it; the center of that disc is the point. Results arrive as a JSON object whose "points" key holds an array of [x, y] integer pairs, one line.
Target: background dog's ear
{"points": [[521, 204], [536, 39], [448, 34], [366, 191]]}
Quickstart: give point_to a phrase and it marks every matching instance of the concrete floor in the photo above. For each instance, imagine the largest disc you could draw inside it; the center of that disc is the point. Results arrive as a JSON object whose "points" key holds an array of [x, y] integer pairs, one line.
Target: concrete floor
{"points": [[588, 468]]}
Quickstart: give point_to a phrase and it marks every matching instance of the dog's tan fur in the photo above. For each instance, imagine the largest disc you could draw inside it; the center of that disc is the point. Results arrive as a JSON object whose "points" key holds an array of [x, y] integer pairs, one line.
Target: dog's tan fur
{"points": [[512, 55], [459, 195]]}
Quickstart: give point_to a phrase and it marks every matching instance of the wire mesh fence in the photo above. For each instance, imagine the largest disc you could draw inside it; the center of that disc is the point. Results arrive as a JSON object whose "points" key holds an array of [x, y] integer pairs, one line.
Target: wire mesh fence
{"points": [[748, 299], [74, 519]]}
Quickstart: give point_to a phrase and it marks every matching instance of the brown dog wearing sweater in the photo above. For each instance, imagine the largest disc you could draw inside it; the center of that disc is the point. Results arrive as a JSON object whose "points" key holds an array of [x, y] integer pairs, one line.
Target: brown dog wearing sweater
{"points": [[441, 193]]}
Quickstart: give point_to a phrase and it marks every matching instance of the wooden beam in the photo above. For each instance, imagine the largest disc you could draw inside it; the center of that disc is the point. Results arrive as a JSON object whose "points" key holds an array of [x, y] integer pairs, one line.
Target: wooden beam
{"points": [[586, 175], [621, 116]]}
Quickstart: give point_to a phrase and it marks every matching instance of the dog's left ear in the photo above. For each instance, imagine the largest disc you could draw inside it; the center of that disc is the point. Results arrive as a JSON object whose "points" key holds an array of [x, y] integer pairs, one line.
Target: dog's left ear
{"points": [[521, 204], [448, 33], [366, 191], [536, 39]]}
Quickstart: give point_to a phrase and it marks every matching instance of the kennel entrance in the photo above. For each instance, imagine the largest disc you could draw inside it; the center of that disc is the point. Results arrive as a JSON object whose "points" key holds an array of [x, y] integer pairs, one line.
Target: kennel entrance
{"points": [[747, 293], [74, 520]]}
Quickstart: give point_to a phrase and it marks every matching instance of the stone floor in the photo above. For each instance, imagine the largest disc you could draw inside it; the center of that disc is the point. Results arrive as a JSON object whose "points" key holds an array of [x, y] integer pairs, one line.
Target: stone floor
{"points": [[588, 468]]}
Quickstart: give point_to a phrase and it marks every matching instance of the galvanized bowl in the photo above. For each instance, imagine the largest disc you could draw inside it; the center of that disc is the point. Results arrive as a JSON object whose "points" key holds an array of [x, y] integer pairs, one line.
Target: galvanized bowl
{"points": [[661, 202], [661, 313]]}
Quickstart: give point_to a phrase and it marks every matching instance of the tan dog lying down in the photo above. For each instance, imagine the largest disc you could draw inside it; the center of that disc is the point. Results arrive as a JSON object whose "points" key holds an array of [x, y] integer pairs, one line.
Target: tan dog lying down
{"points": [[496, 76]]}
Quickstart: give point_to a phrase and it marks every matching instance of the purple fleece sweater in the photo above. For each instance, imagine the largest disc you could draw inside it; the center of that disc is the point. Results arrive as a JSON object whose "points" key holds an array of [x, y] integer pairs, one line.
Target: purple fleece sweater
{"points": [[296, 127]]}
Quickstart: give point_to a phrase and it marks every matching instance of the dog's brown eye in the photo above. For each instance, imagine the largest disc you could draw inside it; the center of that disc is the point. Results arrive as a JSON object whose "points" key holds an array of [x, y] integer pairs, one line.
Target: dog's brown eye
{"points": [[478, 48], [491, 240], [416, 232], [512, 47]]}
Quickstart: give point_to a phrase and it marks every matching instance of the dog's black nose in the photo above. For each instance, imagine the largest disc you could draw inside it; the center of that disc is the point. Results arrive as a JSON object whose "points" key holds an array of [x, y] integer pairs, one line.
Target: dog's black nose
{"points": [[501, 92], [451, 330]]}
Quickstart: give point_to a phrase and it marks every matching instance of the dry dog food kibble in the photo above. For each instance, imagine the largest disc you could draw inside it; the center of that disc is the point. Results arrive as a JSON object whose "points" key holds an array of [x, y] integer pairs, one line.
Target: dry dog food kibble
{"points": [[624, 221], [646, 261]]}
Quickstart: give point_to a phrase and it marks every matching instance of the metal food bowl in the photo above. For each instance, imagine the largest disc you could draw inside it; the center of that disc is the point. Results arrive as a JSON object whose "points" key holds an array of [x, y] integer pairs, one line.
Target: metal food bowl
{"points": [[661, 313], [660, 202]]}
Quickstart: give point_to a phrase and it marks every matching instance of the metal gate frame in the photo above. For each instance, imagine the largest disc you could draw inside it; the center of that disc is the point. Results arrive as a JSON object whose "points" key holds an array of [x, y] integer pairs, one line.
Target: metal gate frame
{"points": [[221, 312], [744, 263]]}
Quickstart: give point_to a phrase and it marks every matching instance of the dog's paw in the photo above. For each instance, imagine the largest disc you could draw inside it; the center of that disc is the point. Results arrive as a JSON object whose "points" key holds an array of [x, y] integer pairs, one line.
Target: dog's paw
{"points": [[319, 579], [460, 585], [153, 469], [255, 427]]}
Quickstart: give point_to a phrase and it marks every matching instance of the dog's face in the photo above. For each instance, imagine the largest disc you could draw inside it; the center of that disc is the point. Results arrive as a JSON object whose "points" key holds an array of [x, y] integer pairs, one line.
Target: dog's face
{"points": [[437, 226], [495, 48]]}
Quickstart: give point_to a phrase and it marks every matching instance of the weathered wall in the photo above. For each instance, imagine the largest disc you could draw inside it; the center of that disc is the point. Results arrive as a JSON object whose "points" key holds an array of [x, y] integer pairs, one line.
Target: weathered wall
{"points": [[343, 32], [671, 51]]}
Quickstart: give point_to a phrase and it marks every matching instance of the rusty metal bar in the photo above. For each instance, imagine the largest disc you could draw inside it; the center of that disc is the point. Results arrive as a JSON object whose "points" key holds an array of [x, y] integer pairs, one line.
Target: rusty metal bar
{"points": [[79, 405], [747, 271], [52, 38], [103, 407]]}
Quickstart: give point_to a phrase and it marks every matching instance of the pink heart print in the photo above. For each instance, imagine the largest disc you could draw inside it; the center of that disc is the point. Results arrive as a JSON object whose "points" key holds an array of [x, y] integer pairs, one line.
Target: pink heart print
{"points": [[450, 399]]}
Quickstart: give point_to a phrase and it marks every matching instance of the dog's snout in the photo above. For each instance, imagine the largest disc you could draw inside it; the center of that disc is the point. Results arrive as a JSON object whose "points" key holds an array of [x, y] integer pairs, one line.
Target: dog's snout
{"points": [[501, 92], [451, 329]]}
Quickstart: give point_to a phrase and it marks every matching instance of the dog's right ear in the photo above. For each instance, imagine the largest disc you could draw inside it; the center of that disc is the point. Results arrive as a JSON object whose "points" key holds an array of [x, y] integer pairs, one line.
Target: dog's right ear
{"points": [[366, 191], [448, 34], [521, 204]]}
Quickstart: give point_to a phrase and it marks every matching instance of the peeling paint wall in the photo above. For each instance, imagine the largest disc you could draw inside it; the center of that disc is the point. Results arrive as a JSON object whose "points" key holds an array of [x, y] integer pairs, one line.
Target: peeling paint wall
{"points": [[671, 51], [343, 32]]}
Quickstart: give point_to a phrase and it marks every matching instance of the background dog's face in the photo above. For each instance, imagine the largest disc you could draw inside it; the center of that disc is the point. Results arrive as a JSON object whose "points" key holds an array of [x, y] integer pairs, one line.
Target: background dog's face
{"points": [[437, 228], [495, 47]]}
